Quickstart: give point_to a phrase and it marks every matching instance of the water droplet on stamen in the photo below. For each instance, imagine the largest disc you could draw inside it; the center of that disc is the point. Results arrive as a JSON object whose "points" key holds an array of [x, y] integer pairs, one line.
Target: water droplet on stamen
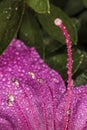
{"points": [[72, 83], [69, 111], [67, 40]]}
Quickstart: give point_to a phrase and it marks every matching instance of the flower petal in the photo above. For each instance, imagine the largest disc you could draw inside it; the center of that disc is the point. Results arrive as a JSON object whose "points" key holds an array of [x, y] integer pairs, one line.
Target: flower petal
{"points": [[30, 91], [78, 120]]}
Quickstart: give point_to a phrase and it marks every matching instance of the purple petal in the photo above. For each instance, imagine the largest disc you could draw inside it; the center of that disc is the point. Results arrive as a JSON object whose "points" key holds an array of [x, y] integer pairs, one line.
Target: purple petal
{"points": [[78, 119], [31, 93]]}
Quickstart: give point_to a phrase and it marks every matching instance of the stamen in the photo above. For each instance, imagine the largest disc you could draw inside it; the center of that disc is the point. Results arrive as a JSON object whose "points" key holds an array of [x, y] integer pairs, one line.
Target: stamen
{"points": [[58, 22]]}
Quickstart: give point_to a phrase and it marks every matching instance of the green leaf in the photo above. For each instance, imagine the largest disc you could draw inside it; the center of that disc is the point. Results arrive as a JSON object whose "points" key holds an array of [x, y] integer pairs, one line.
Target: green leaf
{"points": [[50, 45], [40, 6], [47, 21], [60, 3], [76, 22], [81, 79], [30, 30], [11, 12], [58, 62], [31, 34], [73, 7], [83, 28], [77, 61], [85, 3]]}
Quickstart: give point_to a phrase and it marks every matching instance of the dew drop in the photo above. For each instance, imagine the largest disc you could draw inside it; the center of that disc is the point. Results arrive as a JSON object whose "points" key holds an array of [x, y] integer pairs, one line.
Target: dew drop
{"points": [[16, 8], [72, 83], [15, 81], [26, 34], [55, 80], [67, 40], [69, 111], [68, 72], [8, 17], [32, 75], [5, 11], [40, 80], [9, 8], [10, 99]]}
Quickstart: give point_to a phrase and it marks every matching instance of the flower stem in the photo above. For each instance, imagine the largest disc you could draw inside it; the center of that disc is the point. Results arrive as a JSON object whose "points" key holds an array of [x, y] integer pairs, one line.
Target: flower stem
{"points": [[58, 22]]}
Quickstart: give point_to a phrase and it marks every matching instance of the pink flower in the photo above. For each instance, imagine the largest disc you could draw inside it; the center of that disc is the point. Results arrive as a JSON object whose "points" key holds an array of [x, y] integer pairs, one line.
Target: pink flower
{"points": [[33, 96], [30, 91]]}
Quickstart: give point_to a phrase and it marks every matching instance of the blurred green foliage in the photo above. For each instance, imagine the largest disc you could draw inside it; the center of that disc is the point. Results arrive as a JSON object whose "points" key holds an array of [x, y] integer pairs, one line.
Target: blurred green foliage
{"points": [[33, 22]]}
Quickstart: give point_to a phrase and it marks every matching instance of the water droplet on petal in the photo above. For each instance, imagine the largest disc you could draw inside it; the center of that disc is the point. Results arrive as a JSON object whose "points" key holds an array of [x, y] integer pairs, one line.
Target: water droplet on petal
{"points": [[15, 81], [56, 80], [32, 75], [10, 99], [40, 80]]}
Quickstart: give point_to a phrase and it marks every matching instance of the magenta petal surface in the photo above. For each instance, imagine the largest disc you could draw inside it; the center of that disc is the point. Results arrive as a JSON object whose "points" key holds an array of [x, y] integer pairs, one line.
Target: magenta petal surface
{"points": [[78, 119], [31, 93], [33, 96]]}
